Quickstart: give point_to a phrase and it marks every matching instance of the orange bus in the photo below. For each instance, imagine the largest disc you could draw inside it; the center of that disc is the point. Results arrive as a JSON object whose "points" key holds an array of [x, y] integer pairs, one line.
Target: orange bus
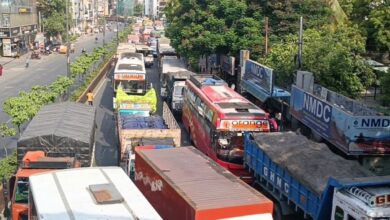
{"points": [[216, 117]]}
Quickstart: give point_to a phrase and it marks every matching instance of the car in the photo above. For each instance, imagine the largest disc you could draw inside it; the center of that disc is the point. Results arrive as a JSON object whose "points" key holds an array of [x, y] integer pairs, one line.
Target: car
{"points": [[115, 30], [96, 30]]}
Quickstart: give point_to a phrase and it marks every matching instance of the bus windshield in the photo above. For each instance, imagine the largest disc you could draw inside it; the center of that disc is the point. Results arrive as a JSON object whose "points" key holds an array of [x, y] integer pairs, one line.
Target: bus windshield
{"points": [[130, 86], [230, 147]]}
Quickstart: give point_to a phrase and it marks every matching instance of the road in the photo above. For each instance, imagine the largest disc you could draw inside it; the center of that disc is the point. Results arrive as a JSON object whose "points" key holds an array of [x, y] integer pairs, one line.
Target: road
{"points": [[17, 78], [106, 140]]}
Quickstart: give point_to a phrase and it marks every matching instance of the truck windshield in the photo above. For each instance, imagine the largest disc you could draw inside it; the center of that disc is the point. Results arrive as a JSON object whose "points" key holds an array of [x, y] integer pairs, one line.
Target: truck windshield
{"points": [[230, 147], [178, 91], [21, 193]]}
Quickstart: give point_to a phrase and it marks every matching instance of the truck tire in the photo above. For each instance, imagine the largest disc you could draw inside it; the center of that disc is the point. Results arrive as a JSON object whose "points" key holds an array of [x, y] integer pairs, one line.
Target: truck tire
{"points": [[294, 124], [277, 212]]}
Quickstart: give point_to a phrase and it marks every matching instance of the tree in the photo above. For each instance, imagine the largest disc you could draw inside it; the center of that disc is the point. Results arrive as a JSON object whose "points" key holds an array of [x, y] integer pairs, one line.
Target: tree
{"points": [[333, 57], [138, 9], [385, 85], [5, 132], [54, 16]]}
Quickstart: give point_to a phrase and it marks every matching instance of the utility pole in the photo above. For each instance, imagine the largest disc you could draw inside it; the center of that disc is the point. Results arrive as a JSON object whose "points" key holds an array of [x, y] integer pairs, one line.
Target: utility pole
{"points": [[300, 42], [67, 43], [117, 22], [266, 36]]}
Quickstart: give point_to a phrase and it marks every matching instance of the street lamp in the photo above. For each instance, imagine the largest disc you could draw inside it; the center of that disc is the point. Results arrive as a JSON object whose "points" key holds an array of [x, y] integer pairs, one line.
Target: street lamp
{"points": [[117, 23]]}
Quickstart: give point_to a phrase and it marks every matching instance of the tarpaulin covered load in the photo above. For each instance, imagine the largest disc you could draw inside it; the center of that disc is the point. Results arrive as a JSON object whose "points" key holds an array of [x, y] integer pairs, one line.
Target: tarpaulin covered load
{"points": [[149, 98], [62, 129], [139, 122]]}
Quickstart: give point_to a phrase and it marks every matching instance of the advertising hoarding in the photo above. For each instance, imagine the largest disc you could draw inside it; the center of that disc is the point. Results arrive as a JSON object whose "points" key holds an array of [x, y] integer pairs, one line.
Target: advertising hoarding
{"points": [[354, 134], [259, 75]]}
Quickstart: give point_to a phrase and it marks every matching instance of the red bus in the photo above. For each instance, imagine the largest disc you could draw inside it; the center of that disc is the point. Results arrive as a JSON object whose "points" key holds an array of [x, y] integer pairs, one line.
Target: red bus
{"points": [[216, 116]]}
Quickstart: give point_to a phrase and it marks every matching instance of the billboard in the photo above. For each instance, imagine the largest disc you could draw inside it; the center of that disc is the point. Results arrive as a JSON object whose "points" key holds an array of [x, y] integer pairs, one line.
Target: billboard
{"points": [[259, 75], [353, 134]]}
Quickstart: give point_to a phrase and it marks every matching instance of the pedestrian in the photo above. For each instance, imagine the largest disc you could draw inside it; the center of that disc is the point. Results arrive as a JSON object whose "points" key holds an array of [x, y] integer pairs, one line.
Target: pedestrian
{"points": [[90, 97], [1, 70], [28, 60], [278, 117]]}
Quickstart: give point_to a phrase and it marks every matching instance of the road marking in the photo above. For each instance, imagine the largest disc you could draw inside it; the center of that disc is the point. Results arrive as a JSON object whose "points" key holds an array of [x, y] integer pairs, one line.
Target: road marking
{"points": [[100, 85]]}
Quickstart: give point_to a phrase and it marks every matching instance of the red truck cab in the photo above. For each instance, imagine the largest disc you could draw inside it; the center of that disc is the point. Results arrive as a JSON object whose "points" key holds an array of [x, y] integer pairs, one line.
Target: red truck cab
{"points": [[33, 162]]}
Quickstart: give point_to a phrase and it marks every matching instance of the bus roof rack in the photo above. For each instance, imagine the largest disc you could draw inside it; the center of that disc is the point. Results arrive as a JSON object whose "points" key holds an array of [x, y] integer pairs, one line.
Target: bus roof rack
{"points": [[206, 80]]}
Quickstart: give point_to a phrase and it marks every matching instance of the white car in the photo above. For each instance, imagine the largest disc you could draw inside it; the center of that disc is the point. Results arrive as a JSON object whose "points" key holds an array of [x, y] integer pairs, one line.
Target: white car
{"points": [[115, 30], [96, 30]]}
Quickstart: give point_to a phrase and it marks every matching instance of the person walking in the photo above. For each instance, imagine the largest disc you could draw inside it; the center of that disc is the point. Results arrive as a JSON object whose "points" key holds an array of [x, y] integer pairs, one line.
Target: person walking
{"points": [[28, 60], [90, 97], [279, 120]]}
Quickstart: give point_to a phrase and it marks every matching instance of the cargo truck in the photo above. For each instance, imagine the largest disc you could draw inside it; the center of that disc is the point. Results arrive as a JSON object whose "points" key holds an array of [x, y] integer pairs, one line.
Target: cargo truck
{"points": [[323, 115], [137, 125], [182, 183], [88, 193], [61, 128], [175, 84], [304, 176], [33, 162], [169, 64]]}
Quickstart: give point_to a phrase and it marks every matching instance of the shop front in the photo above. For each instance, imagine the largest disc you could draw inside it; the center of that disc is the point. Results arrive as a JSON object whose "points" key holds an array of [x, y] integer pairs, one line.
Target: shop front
{"points": [[16, 41]]}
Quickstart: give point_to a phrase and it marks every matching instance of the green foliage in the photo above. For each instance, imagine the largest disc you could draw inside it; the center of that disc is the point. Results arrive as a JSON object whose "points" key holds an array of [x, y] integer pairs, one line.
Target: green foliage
{"points": [[333, 57], [385, 86], [138, 9], [54, 16], [8, 166]]}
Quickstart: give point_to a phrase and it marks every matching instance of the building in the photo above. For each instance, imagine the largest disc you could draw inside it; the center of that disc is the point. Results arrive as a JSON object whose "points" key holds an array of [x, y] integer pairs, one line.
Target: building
{"points": [[18, 26]]}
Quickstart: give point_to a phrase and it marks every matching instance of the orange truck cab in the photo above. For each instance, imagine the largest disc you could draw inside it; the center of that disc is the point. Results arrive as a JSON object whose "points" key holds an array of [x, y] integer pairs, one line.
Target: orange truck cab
{"points": [[33, 162]]}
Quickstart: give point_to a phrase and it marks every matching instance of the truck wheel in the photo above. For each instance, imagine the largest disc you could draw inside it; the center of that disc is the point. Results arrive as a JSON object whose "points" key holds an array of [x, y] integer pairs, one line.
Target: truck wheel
{"points": [[294, 124], [277, 212]]}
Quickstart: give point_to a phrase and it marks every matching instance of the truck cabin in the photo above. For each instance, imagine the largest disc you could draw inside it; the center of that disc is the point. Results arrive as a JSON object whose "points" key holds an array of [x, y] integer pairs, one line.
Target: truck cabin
{"points": [[352, 203], [33, 162]]}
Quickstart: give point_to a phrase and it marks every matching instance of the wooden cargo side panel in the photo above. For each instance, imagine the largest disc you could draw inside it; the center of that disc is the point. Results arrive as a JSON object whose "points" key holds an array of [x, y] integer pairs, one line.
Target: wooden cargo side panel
{"points": [[164, 199]]}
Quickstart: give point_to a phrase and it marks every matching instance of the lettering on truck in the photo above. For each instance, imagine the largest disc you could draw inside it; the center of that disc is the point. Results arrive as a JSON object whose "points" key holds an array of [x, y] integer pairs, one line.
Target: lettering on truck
{"points": [[317, 108], [277, 180], [155, 185], [372, 123]]}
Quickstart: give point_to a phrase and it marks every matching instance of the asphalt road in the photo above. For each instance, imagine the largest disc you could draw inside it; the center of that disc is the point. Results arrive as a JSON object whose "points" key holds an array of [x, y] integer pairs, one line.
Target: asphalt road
{"points": [[44, 71], [106, 139]]}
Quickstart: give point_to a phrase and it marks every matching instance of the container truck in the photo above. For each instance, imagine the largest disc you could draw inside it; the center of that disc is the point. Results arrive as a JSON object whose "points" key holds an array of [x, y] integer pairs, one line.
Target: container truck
{"points": [[169, 64], [88, 193], [322, 114], [183, 183], [138, 125], [301, 175], [33, 162]]}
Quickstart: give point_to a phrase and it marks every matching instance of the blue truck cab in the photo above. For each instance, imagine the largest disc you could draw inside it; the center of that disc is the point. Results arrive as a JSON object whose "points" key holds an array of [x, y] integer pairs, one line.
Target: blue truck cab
{"points": [[304, 176]]}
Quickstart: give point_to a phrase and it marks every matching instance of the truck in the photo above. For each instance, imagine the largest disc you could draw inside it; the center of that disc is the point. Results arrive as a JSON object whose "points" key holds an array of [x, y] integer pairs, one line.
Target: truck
{"points": [[323, 115], [88, 193], [147, 52], [169, 64], [164, 49], [176, 82], [301, 175], [61, 128], [183, 183], [125, 48], [33, 162], [138, 125]]}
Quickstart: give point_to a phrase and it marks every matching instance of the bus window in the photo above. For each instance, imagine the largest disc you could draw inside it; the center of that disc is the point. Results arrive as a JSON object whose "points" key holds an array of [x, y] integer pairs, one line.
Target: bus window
{"points": [[351, 218], [339, 213]]}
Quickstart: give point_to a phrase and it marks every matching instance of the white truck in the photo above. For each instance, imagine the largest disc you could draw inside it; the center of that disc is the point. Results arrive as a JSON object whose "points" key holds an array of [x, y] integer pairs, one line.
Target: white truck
{"points": [[169, 64]]}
